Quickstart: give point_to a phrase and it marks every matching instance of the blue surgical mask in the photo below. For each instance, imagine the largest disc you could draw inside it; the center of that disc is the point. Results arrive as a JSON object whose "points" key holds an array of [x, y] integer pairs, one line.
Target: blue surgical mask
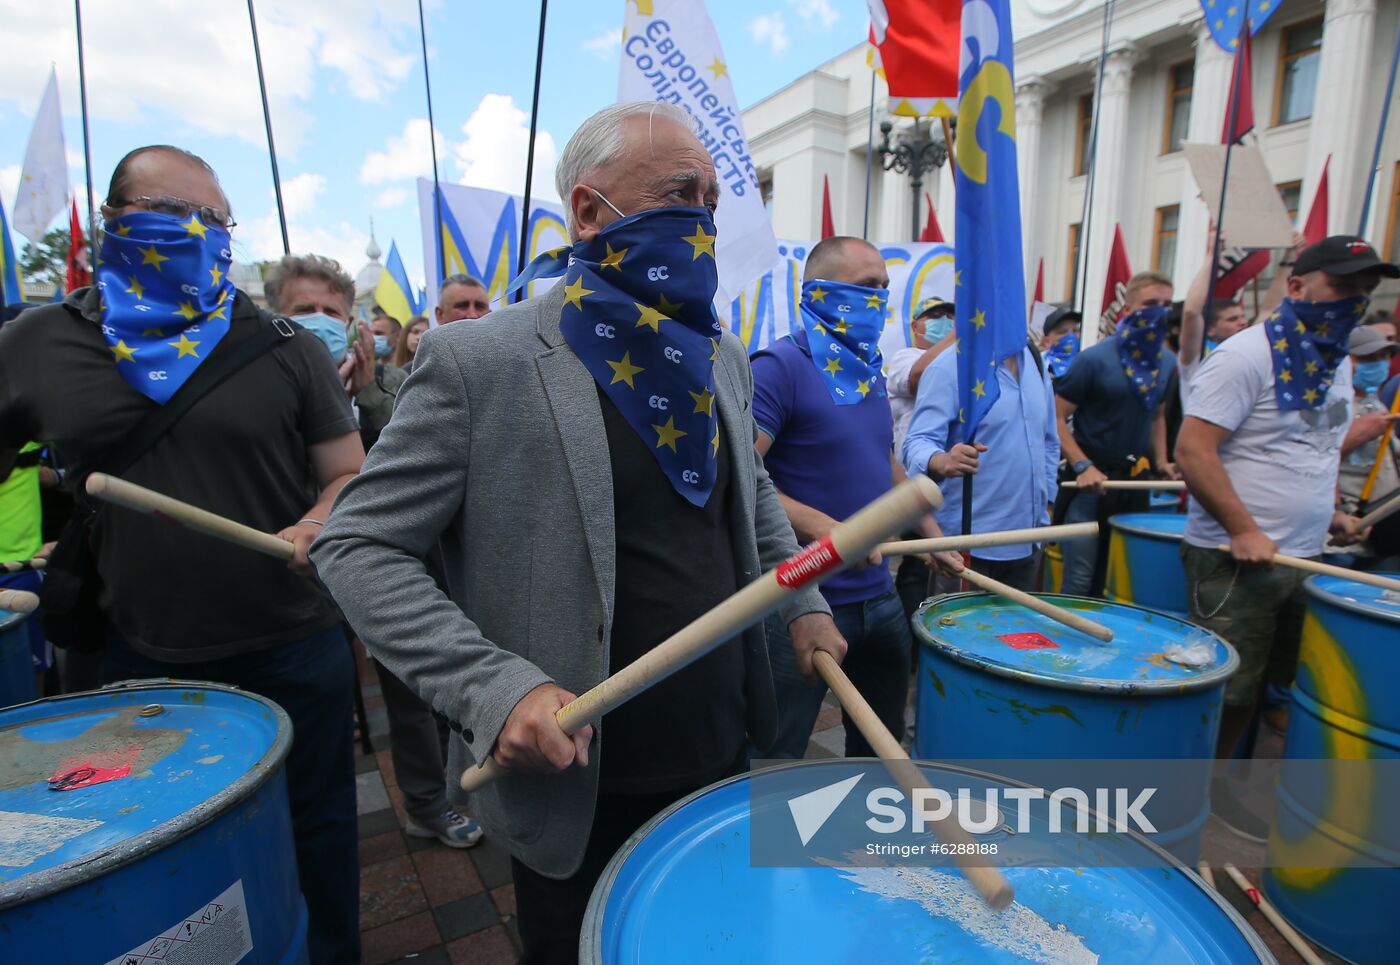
{"points": [[1370, 376], [382, 348], [331, 332], [937, 329]]}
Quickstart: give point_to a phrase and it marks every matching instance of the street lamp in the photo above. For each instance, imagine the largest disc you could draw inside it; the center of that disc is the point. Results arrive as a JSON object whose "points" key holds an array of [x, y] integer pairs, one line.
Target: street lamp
{"points": [[916, 152]]}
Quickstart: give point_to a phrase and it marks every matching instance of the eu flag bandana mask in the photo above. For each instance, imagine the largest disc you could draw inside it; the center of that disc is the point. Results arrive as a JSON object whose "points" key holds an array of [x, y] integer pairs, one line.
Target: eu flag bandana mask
{"points": [[1307, 341], [843, 325], [1140, 339], [1060, 356], [638, 312], [165, 297]]}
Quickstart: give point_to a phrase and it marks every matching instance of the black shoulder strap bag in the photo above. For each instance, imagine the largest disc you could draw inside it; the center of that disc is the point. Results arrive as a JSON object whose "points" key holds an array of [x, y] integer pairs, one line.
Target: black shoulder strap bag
{"points": [[69, 610]]}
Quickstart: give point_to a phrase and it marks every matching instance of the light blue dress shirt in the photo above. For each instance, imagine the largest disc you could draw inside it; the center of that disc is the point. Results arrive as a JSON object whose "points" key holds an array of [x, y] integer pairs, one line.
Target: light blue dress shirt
{"points": [[1016, 479]]}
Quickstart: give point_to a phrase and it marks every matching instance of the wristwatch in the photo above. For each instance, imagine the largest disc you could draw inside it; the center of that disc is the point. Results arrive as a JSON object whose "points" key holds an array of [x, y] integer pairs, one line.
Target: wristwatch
{"points": [[1079, 465]]}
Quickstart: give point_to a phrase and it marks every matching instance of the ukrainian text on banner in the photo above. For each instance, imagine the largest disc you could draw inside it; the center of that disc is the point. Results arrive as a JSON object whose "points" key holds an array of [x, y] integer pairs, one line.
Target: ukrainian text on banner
{"points": [[671, 53], [480, 235]]}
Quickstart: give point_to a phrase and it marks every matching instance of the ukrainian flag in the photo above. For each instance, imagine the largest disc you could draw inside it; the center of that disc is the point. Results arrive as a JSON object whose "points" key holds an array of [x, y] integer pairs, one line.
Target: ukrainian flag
{"points": [[990, 295], [10, 287], [393, 293]]}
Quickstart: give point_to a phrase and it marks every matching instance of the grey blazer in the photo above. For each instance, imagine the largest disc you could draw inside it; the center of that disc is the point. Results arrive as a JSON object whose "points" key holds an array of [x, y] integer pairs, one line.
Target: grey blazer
{"points": [[497, 459]]}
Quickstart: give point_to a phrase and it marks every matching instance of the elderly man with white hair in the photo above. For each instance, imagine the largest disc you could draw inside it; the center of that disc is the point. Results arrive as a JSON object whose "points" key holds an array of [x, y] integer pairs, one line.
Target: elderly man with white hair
{"points": [[565, 484]]}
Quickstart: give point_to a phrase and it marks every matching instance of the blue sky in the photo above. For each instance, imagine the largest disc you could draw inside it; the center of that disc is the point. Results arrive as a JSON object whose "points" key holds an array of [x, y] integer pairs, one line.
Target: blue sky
{"points": [[346, 82]]}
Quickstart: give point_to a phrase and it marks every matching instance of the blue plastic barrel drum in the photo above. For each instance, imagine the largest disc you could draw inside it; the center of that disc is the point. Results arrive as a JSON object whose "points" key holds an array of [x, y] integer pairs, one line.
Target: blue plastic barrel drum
{"points": [[1144, 562], [16, 660], [148, 822]]}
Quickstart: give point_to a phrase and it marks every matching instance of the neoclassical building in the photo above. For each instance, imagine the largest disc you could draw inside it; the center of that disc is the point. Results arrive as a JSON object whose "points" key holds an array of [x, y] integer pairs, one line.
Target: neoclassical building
{"points": [[1319, 75]]}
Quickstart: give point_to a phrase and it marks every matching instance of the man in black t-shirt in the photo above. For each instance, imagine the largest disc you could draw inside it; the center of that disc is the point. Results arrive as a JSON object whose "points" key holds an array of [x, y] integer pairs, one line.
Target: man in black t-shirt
{"points": [[270, 446]]}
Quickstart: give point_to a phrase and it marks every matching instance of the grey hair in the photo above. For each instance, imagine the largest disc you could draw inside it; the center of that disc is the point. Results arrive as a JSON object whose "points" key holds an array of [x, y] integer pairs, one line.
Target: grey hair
{"points": [[459, 279], [319, 267], [598, 142]]}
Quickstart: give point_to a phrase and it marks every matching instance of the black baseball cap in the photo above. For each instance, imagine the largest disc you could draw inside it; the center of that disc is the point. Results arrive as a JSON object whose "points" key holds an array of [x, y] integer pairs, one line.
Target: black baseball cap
{"points": [[1060, 315], [1343, 255]]}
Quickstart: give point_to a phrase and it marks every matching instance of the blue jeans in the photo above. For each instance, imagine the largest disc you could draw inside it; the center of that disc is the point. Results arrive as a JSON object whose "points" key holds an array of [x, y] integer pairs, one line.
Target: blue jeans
{"points": [[313, 681], [1081, 555], [877, 662]]}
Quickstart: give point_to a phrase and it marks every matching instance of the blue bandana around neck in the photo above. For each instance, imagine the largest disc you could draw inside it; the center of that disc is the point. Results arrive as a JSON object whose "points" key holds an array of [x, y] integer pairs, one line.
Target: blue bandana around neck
{"points": [[639, 313], [1141, 337], [1308, 340], [1060, 356], [843, 324], [164, 296]]}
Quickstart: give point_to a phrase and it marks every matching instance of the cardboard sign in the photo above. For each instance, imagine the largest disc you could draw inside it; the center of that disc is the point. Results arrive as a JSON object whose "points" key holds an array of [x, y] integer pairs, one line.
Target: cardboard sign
{"points": [[1254, 213]]}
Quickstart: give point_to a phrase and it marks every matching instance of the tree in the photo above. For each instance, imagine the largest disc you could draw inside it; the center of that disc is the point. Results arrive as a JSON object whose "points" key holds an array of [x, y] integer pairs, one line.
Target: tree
{"points": [[47, 261]]}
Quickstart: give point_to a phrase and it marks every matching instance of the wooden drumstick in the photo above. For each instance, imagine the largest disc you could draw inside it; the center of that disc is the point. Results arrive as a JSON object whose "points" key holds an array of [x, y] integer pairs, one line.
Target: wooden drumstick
{"points": [[1009, 537], [131, 496], [1383, 511], [1043, 607], [1303, 949], [1172, 485], [849, 542], [990, 883], [1327, 569], [19, 566], [19, 601]]}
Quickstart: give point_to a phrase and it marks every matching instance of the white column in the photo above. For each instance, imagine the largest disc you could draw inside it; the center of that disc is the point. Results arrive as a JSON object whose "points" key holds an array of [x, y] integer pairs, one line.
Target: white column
{"points": [[1341, 99], [1210, 89], [1109, 168], [1030, 104]]}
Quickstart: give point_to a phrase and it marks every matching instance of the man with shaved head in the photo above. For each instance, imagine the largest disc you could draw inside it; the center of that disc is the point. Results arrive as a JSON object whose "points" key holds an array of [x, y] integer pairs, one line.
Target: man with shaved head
{"points": [[577, 471], [826, 435]]}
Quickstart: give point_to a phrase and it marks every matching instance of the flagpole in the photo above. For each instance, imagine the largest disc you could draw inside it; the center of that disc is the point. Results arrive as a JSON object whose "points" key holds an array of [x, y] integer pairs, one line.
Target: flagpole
{"points": [[1380, 135], [87, 144], [1087, 212], [432, 146], [267, 123], [869, 159], [530, 153], [1236, 85]]}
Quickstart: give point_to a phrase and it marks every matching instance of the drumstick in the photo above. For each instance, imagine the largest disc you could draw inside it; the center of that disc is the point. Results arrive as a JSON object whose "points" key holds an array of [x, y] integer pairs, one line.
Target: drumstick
{"points": [[1008, 537], [1203, 867], [1059, 614], [19, 566], [995, 890], [1303, 949], [1383, 511], [1382, 451], [131, 496], [1175, 485], [850, 541], [1327, 569], [19, 601]]}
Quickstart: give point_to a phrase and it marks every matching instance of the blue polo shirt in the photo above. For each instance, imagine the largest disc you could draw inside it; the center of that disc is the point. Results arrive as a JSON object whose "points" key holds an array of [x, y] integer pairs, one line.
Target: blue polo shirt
{"points": [[835, 458], [1110, 423]]}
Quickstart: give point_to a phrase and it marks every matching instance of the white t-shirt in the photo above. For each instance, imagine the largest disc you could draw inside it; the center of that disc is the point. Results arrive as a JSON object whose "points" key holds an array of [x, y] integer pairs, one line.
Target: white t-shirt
{"points": [[1283, 464], [901, 399]]}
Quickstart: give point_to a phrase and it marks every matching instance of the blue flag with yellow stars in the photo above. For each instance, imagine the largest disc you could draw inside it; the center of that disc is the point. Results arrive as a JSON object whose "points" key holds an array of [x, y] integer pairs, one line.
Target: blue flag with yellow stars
{"points": [[843, 325], [1141, 337], [165, 297], [638, 312], [1223, 18], [1309, 341], [1060, 356], [991, 297]]}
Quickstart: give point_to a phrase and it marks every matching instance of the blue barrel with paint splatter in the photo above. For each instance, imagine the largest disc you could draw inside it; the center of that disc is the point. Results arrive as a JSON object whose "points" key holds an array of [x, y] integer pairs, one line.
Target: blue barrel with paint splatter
{"points": [[16, 660], [1334, 846], [998, 681], [1144, 562], [148, 822], [685, 889]]}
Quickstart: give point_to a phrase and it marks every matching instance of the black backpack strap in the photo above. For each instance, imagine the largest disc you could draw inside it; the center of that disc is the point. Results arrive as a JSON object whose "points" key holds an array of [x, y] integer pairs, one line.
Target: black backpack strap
{"points": [[1035, 354]]}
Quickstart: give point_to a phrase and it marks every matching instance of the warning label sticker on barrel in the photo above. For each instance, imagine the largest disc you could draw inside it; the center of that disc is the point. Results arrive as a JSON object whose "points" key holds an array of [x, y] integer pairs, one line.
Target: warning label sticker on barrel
{"points": [[811, 562], [214, 934], [1028, 641]]}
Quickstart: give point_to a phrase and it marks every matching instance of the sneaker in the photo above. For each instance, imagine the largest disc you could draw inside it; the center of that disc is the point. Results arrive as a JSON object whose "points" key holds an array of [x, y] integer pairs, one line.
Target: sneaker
{"points": [[1230, 811], [451, 828]]}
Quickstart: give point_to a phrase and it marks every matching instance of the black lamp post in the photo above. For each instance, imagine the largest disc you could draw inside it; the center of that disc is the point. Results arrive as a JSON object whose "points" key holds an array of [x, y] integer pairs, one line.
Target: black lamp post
{"points": [[917, 151]]}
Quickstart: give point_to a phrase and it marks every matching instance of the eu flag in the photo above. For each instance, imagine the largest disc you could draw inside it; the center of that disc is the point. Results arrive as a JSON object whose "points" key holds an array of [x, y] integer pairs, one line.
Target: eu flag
{"points": [[991, 293], [11, 291], [1223, 18]]}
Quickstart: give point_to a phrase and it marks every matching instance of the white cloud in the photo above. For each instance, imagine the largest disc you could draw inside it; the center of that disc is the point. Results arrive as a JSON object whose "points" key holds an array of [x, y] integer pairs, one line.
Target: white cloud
{"points": [[300, 193], [770, 29], [157, 57], [406, 155], [391, 198], [605, 45], [494, 151], [816, 12], [260, 239], [9, 185]]}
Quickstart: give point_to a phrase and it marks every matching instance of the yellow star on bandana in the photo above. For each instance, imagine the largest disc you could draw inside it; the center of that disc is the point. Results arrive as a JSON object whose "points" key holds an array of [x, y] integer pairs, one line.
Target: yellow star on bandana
{"points": [[863, 387], [668, 434], [185, 346], [195, 227], [613, 259], [624, 370], [186, 311], [817, 294], [122, 352], [832, 366], [704, 402], [215, 274], [149, 256], [668, 308], [873, 301], [702, 243], [136, 288], [715, 442], [650, 317], [715, 353], [574, 293]]}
